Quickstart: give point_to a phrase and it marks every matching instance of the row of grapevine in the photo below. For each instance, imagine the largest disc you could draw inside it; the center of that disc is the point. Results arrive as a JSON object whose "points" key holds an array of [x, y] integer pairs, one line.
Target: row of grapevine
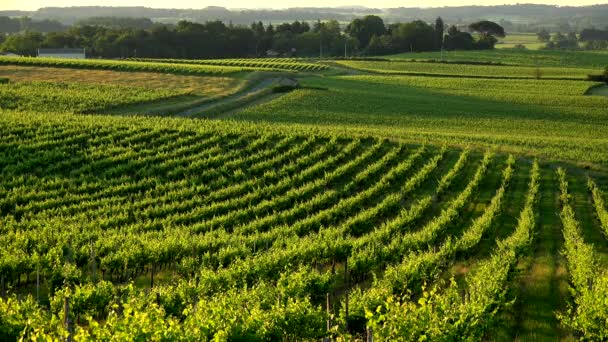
{"points": [[264, 63], [589, 309], [128, 66], [447, 313], [600, 206]]}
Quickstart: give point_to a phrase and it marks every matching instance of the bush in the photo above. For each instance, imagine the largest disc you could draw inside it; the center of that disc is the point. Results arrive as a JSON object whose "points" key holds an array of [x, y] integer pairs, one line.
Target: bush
{"points": [[3, 80], [284, 89], [599, 78]]}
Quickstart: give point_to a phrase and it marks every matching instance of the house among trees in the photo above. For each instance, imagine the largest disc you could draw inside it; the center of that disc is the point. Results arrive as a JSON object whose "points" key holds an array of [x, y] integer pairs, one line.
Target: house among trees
{"points": [[63, 53]]}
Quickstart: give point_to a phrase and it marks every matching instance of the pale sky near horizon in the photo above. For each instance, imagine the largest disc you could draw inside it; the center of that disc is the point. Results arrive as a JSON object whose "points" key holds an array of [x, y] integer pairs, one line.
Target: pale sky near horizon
{"points": [[28, 5]]}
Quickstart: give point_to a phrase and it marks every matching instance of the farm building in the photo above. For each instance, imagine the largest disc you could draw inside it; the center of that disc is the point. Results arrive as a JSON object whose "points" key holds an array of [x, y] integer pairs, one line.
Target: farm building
{"points": [[63, 53]]}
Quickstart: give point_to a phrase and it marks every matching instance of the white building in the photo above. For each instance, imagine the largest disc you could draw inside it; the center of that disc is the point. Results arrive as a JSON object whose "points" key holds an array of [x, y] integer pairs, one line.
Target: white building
{"points": [[62, 53]]}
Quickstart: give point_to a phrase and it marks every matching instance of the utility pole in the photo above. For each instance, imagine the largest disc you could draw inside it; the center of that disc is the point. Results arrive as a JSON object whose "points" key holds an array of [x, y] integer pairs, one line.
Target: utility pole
{"points": [[320, 39]]}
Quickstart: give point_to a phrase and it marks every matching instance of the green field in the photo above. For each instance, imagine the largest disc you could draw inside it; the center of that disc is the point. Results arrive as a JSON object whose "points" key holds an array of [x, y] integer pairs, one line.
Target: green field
{"points": [[550, 118], [482, 71], [528, 40], [461, 203], [546, 58]]}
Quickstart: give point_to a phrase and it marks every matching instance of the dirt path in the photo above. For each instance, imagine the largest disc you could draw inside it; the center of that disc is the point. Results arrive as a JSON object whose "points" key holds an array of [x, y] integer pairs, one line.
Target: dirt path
{"points": [[258, 89], [256, 102]]}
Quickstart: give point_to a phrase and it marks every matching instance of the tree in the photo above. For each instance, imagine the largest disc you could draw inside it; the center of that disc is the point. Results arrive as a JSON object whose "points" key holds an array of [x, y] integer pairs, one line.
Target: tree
{"points": [[488, 31], [439, 30], [25, 44], [379, 45], [364, 29], [543, 35], [487, 28], [415, 36], [456, 40]]}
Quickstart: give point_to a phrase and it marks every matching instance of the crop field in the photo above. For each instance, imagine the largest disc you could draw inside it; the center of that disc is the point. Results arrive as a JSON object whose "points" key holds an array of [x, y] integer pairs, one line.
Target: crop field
{"points": [[482, 71], [338, 204]]}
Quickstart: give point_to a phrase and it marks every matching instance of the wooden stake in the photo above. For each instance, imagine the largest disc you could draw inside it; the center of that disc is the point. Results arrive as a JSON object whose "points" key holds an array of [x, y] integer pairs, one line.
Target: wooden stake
{"points": [[328, 308], [67, 320], [38, 283], [93, 262], [346, 294]]}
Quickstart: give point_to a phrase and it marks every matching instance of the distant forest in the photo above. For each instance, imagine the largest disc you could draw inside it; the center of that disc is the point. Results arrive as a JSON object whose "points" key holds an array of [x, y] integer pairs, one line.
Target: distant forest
{"points": [[369, 35], [514, 18], [220, 33]]}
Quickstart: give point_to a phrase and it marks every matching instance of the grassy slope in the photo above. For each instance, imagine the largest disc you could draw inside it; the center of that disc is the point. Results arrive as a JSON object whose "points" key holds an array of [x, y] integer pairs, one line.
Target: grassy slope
{"points": [[488, 71], [549, 118]]}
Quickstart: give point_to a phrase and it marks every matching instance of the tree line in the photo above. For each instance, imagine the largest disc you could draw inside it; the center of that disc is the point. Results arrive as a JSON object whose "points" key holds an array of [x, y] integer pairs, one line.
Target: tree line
{"points": [[369, 35], [13, 25], [587, 39]]}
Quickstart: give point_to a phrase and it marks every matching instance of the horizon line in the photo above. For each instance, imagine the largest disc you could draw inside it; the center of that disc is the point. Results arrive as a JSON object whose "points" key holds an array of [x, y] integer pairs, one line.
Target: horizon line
{"points": [[310, 7]]}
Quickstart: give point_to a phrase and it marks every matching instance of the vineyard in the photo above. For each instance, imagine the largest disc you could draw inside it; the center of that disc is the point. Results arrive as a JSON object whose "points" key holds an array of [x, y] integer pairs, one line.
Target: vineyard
{"points": [[77, 97], [354, 203], [316, 229]]}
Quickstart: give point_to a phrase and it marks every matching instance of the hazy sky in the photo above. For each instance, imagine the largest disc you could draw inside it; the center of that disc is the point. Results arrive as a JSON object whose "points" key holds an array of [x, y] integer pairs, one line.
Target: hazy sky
{"points": [[35, 4]]}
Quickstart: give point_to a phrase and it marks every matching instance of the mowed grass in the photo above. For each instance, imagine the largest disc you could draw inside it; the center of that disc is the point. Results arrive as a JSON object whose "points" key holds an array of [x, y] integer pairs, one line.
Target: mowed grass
{"points": [[485, 71], [547, 58], [550, 118], [196, 85], [136, 92]]}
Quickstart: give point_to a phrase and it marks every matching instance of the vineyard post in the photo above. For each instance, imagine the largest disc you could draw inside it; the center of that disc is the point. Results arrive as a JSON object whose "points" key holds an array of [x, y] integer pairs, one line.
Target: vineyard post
{"points": [[38, 283], [93, 262], [195, 304], [67, 320], [328, 308], [152, 276], [346, 294], [2, 287], [370, 334]]}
